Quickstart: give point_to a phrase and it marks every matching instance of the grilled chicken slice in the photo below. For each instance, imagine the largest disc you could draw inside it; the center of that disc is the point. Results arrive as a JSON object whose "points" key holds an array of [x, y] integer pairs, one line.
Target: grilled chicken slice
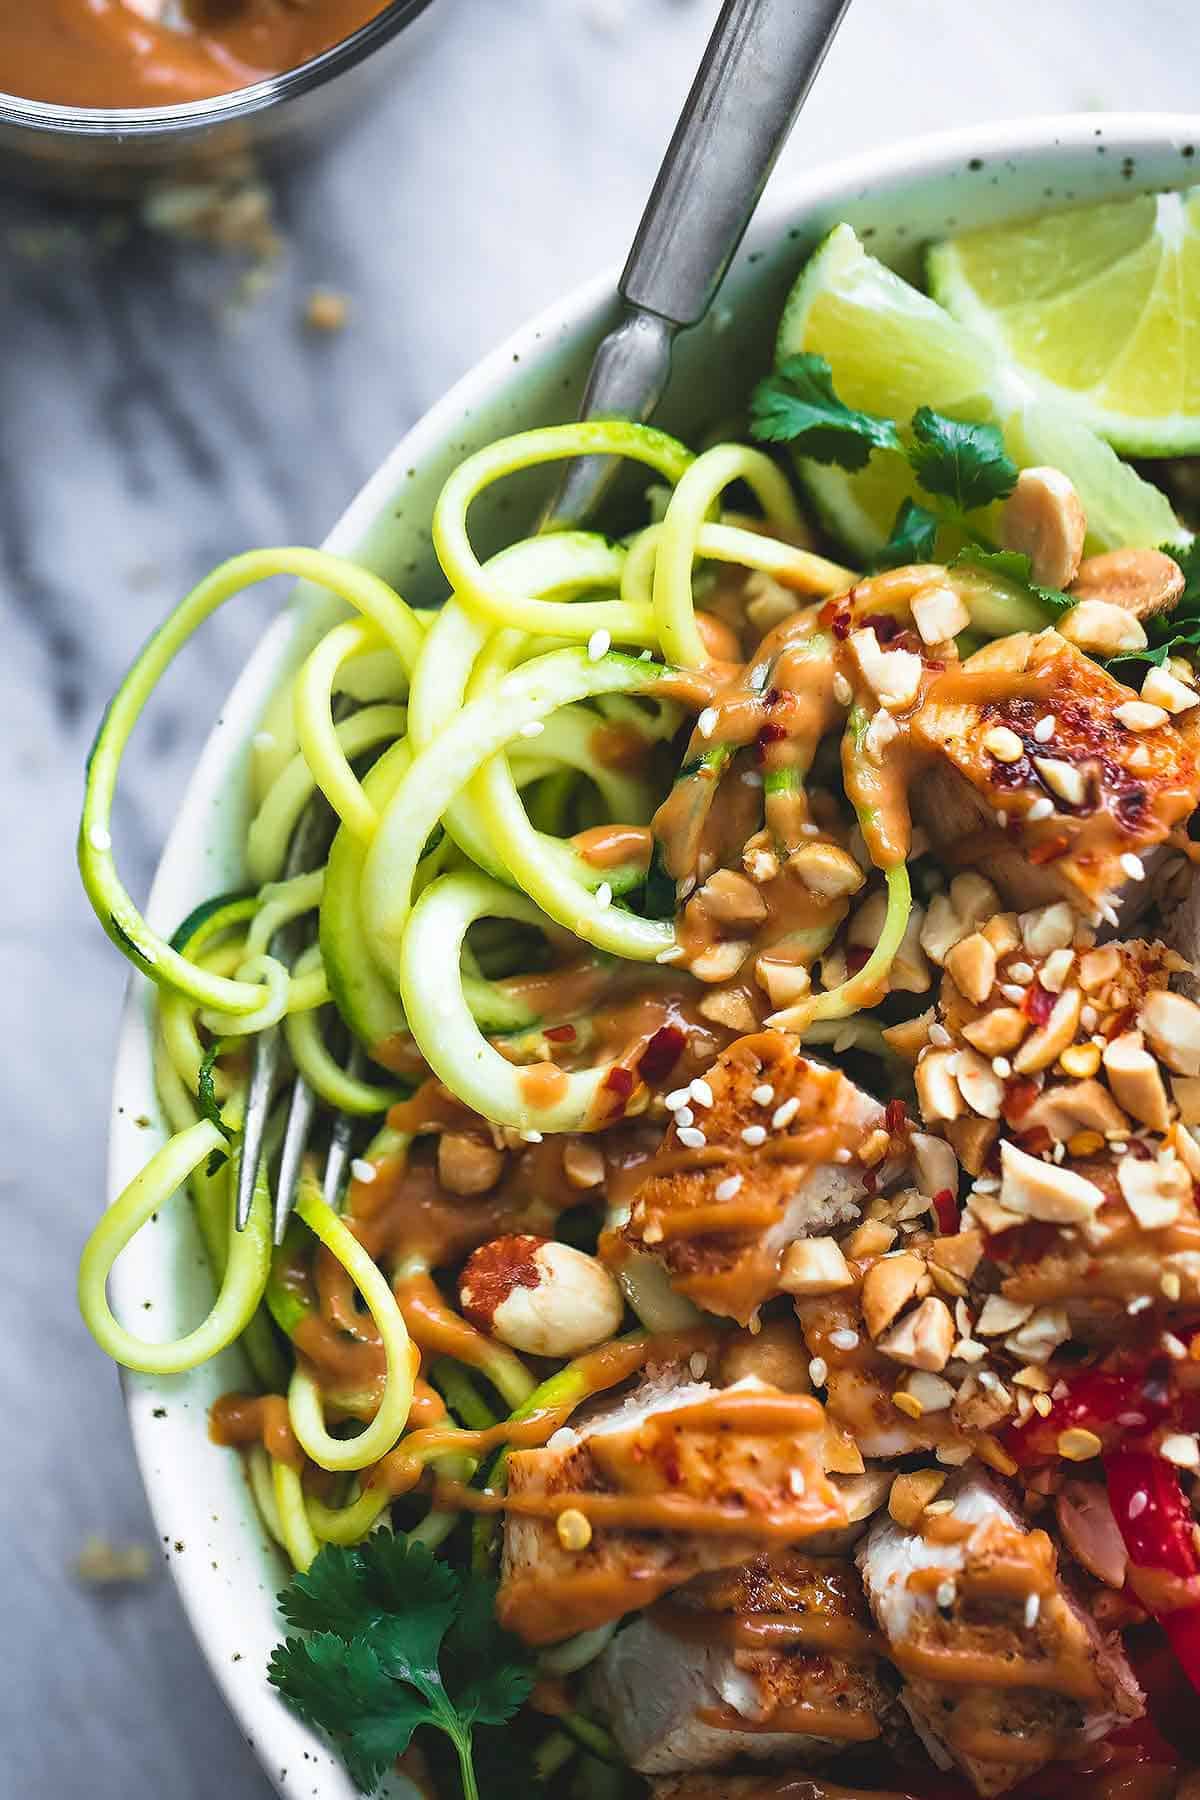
{"points": [[678, 1479], [790, 1149], [1049, 816], [1003, 1670], [772, 1660]]}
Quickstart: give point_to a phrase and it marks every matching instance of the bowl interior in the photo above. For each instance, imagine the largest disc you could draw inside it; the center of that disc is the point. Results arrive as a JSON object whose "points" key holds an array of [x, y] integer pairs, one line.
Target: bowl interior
{"points": [[226, 1568]]}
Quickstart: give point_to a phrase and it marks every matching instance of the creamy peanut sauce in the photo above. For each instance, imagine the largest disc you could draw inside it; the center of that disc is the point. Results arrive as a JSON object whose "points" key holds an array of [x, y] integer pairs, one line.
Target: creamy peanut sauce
{"points": [[114, 53]]}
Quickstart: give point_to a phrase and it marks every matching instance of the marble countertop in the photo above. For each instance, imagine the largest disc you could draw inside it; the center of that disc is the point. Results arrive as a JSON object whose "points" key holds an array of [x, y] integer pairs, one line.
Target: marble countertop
{"points": [[157, 412]]}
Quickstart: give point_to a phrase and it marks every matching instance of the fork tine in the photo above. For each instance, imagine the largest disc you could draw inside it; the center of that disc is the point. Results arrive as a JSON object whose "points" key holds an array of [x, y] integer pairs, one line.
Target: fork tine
{"points": [[295, 1141], [340, 1141], [264, 1064]]}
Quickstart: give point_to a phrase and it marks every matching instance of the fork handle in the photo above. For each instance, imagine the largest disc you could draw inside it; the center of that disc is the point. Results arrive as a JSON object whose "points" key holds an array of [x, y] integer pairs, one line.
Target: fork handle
{"points": [[760, 62]]}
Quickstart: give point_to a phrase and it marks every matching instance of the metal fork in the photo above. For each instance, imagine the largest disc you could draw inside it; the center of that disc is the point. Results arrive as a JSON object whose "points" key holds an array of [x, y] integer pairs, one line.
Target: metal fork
{"points": [[759, 64]]}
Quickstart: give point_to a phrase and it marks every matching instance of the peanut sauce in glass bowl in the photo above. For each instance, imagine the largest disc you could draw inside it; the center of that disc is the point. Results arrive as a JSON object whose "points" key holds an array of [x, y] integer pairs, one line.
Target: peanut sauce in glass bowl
{"points": [[116, 53]]}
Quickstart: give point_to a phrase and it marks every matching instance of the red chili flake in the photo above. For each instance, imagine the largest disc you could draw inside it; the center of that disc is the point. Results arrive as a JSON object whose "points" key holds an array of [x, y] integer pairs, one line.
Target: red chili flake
{"points": [[1048, 849], [856, 958], [886, 626], [661, 1054], [620, 1080], [772, 697], [1038, 1003], [560, 1034], [841, 626], [1019, 1096], [945, 1209], [770, 733], [895, 1116], [828, 613]]}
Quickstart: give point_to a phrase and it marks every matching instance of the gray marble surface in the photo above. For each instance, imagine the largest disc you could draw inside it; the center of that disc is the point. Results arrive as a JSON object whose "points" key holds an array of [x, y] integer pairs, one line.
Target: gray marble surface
{"points": [[153, 419]]}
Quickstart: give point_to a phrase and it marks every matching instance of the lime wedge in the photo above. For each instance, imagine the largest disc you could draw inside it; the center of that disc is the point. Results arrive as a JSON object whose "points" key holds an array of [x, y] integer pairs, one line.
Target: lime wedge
{"points": [[892, 349], [1098, 309]]}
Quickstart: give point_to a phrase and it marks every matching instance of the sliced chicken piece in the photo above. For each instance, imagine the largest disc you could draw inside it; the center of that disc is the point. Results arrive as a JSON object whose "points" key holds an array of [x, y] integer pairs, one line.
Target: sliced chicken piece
{"points": [[1003, 1670], [678, 1479], [782, 1158], [1048, 812], [773, 1660]]}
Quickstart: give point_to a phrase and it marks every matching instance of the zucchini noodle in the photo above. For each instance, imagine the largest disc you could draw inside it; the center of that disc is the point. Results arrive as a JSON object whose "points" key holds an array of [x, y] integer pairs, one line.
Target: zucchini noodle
{"points": [[304, 1396], [524, 817]]}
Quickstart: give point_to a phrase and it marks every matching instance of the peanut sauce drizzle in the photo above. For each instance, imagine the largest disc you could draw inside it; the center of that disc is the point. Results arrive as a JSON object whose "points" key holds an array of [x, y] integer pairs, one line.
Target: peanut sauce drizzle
{"points": [[813, 1721], [813, 1630]]}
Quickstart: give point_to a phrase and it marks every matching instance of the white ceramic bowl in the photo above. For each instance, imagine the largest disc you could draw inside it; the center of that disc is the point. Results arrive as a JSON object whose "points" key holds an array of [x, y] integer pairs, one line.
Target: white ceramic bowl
{"points": [[226, 1570]]}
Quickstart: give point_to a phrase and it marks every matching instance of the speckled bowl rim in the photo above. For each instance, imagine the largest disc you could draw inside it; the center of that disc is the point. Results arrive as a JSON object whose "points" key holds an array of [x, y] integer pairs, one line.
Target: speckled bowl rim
{"points": [[225, 1569]]}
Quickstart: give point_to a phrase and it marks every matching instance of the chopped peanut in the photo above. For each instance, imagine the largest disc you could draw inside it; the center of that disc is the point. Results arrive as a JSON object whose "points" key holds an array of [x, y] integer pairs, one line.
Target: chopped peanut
{"points": [[979, 1085], [923, 1338], [1172, 1024], [937, 1091], [872, 1238], [785, 982], [1141, 582], [468, 1164], [997, 1032], [731, 899], [583, 1164], [814, 1266], [1134, 1077], [1044, 520], [1185, 1090], [971, 965], [1045, 1191], [888, 1287], [972, 1139], [1080, 1060], [911, 1494], [1003, 933], [826, 869]]}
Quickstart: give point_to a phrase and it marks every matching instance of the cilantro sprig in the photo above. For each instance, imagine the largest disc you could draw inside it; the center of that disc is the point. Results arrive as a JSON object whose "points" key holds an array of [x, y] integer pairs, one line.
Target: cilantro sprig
{"points": [[1176, 632], [962, 467], [397, 1640]]}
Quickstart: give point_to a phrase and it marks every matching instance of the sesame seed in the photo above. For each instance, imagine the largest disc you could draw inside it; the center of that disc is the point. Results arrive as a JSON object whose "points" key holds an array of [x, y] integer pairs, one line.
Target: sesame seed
{"points": [[843, 693], [362, 1170], [700, 1091], [1012, 993], [818, 1371], [1132, 866], [1138, 1503], [940, 1036], [752, 778], [599, 644], [725, 1190], [1001, 1067], [533, 728], [1058, 1152], [1171, 1285], [98, 838], [844, 1340], [565, 1438], [1041, 809], [692, 1138], [1078, 1445], [1033, 1606], [676, 1098], [1110, 915], [1002, 818], [684, 1116], [1181, 1450], [671, 955], [1021, 972], [946, 1593], [754, 1135], [698, 1364], [1173, 1346], [1043, 731], [783, 1115], [796, 1482], [1140, 1305], [763, 1094], [531, 1137], [842, 1155], [706, 724], [604, 895]]}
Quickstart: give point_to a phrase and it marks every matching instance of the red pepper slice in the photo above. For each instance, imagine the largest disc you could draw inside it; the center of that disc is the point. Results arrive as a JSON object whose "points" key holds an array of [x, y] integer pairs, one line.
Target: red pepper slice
{"points": [[1112, 1403], [945, 1208], [1155, 1521]]}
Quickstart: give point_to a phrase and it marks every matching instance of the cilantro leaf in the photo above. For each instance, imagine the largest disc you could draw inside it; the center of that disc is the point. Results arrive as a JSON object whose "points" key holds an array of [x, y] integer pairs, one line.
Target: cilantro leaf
{"points": [[1015, 566], [401, 1640], [914, 535], [343, 1689], [797, 405], [1188, 558], [965, 464]]}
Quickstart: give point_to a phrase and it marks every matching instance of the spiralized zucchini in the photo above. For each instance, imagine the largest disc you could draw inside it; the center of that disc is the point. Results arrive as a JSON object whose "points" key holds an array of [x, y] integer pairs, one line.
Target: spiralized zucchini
{"points": [[484, 739]]}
